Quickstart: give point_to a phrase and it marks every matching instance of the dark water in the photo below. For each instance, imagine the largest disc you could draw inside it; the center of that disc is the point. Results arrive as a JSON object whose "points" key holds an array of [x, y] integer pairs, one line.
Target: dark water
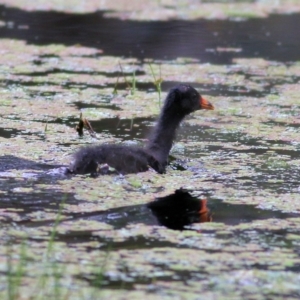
{"points": [[125, 129], [272, 38], [8, 132]]}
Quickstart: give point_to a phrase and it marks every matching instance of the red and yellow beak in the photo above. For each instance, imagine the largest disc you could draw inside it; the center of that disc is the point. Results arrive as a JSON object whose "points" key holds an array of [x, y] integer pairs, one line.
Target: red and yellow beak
{"points": [[204, 213], [204, 104]]}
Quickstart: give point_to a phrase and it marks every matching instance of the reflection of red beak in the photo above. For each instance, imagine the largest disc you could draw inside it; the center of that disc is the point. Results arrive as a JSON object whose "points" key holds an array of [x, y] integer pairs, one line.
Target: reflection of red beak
{"points": [[204, 213], [204, 104]]}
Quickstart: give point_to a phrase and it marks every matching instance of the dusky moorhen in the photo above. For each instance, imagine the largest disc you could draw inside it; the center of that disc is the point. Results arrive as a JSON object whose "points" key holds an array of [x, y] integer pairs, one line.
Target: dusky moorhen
{"points": [[180, 101]]}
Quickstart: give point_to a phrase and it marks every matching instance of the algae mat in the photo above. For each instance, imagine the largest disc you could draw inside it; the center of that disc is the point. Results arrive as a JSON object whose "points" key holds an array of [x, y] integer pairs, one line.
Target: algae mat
{"points": [[77, 237]]}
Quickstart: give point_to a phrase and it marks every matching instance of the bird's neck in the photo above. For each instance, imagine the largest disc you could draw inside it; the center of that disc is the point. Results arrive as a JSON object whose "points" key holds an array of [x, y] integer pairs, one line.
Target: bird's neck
{"points": [[162, 136]]}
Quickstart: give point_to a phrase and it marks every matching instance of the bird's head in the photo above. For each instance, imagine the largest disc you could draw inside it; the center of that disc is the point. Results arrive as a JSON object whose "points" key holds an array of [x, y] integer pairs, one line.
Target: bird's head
{"points": [[185, 99]]}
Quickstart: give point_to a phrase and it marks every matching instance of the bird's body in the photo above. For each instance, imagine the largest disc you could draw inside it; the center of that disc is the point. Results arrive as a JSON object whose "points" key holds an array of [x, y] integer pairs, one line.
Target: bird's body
{"points": [[124, 159], [180, 101]]}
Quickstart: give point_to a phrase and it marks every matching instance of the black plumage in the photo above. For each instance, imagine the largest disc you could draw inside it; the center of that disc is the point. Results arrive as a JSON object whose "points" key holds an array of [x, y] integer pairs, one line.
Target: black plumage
{"points": [[180, 101]]}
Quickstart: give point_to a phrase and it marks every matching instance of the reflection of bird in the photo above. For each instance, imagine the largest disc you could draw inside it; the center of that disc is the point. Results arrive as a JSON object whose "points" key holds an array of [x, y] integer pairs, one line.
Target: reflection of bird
{"points": [[180, 209], [181, 101]]}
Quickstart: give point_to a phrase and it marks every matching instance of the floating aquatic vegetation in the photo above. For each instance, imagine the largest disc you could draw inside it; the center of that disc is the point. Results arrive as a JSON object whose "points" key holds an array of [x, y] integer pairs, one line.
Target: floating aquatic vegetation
{"points": [[243, 158]]}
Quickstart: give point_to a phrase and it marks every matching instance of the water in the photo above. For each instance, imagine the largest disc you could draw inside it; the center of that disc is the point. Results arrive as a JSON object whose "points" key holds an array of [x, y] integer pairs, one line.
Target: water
{"points": [[125, 129], [217, 157], [121, 217], [271, 38]]}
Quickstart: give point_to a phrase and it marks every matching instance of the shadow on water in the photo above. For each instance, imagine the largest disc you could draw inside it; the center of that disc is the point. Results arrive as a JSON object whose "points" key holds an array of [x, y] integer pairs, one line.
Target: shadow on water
{"points": [[24, 203], [127, 129], [81, 105], [15, 200], [11, 132], [11, 162], [114, 74], [270, 38], [8, 132], [185, 210], [18, 175], [174, 211]]}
